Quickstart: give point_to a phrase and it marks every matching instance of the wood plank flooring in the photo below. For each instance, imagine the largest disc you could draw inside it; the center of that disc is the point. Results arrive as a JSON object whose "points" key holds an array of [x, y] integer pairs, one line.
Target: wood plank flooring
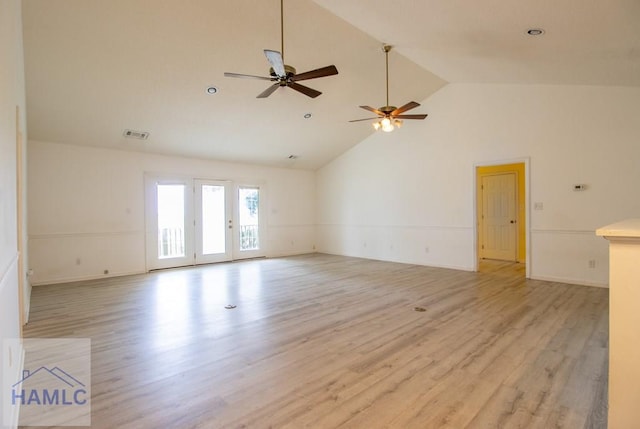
{"points": [[321, 341]]}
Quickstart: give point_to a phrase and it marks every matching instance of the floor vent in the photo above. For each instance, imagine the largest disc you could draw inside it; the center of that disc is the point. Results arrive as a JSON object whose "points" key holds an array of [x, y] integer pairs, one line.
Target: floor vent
{"points": [[141, 135]]}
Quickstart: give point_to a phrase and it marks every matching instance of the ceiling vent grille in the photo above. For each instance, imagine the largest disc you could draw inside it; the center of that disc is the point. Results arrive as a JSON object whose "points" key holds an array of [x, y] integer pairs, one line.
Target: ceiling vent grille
{"points": [[140, 135]]}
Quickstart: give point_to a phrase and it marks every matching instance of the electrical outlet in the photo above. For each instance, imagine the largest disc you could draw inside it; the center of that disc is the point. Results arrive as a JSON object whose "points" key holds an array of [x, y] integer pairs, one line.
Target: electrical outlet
{"points": [[592, 263]]}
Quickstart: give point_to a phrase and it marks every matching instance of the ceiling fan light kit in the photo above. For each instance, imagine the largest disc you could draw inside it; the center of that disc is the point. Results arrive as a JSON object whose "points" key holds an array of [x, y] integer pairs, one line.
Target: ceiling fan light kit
{"points": [[390, 117], [387, 125], [285, 75]]}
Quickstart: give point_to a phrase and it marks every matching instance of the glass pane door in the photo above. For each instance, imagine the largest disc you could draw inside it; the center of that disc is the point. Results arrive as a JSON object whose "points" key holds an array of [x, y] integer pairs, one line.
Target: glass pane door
{"points": [[196, 221], [169, 235], [249, 209], [248, 234], [171, 221], [213, 223]]}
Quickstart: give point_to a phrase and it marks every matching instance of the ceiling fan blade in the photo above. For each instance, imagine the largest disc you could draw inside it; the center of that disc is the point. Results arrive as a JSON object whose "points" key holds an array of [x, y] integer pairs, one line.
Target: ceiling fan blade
{"points": [[409, 116], [275, 59], [267, 92], [365, 119], [410, 105], [321, 72], [310, 92], [246, 76], [371, 109]]}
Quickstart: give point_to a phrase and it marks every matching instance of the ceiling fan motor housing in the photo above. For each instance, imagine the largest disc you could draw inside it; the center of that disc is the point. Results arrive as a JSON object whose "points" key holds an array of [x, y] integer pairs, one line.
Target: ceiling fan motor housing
{"points": [[387, 109], [288, 70]]}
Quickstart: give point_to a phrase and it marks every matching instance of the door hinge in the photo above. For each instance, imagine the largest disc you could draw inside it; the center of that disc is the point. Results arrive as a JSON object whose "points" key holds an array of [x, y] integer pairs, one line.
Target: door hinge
{"points": [[482, 247]]}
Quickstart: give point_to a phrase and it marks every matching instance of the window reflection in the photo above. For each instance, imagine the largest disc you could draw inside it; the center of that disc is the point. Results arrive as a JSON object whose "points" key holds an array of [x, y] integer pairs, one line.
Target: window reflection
{"points": [[172, 313], [190, 303]]}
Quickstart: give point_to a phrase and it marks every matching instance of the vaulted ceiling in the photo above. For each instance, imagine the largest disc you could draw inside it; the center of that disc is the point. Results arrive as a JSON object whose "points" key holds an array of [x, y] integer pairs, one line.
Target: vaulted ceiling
{"points": [[96, 68]]}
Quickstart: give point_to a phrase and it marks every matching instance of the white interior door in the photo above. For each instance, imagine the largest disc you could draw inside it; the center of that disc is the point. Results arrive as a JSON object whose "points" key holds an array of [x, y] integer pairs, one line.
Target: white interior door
{"points": [[499, 217], [213, 221]]}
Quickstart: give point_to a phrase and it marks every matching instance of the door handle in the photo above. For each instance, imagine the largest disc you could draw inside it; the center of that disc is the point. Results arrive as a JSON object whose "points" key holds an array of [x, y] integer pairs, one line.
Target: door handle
{"points": [[512, 221]]}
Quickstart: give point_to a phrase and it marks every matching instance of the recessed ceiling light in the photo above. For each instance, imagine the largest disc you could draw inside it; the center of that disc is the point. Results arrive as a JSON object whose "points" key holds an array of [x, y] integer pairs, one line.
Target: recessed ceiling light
{"points": [[535, 32], [212, 90], [307, 115]]}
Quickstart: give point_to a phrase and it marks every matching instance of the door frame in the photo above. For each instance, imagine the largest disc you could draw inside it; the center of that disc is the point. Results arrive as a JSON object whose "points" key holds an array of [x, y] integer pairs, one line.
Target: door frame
{"points": [[20, 220], [527, 213]]}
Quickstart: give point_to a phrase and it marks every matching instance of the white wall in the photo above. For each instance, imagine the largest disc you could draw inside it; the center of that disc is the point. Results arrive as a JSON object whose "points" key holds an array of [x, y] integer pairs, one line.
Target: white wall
{"points": [[408, 196], [405, 196], [88, 203], [11, 95]]}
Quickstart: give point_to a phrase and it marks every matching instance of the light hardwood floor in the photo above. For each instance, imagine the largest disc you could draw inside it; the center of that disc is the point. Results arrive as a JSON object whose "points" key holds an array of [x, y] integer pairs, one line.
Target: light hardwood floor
{"points": [[324, 341]]}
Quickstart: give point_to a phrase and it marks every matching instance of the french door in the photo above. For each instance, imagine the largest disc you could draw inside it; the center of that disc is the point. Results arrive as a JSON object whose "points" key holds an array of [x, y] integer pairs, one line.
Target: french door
{"points": [[213, 222], [193, 221]]}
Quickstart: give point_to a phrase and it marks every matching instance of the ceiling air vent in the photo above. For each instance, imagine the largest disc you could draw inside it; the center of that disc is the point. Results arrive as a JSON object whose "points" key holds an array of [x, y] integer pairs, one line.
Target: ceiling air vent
{"points": [[140, 135]]}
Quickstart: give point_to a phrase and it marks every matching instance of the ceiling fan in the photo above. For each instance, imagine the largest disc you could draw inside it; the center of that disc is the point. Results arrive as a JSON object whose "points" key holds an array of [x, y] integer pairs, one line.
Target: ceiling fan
{"points": [[390, 116], [285, 75]]}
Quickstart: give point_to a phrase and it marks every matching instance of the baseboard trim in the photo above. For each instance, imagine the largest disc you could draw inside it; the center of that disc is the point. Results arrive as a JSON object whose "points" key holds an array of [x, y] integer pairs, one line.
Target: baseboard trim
{"points": [[577, 282], [84, 278]]}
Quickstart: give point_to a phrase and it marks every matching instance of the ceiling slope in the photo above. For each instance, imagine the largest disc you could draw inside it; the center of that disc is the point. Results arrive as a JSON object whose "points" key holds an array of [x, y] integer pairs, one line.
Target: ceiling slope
{"points": [[96, 68], [586, 42]]}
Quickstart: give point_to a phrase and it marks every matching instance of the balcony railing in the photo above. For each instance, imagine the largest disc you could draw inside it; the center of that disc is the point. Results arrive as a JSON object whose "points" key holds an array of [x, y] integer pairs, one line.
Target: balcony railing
{"points": [[249, 237], [170, 243]]}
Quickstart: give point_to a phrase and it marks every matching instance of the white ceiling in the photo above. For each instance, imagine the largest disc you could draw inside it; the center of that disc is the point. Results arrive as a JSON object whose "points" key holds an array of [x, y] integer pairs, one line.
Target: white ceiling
{"points": [[586, 42], [95, 68]]}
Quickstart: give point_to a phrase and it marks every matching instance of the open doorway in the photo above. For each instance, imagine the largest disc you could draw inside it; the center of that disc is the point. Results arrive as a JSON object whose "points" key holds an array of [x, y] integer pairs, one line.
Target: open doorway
{"points": [[501, 214]]}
